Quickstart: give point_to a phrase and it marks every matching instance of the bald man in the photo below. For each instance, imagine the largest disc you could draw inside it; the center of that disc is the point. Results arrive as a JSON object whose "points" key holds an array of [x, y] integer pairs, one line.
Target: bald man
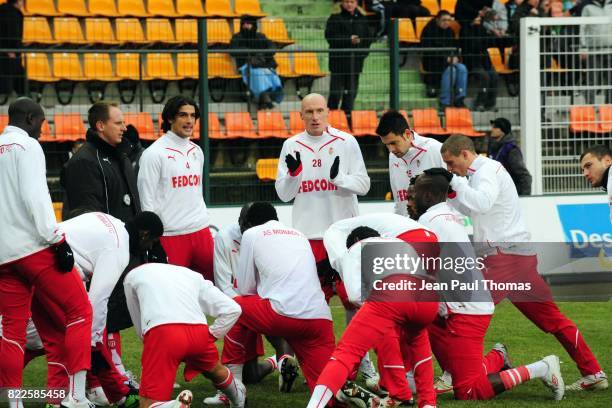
{"points": [[34, 253]]}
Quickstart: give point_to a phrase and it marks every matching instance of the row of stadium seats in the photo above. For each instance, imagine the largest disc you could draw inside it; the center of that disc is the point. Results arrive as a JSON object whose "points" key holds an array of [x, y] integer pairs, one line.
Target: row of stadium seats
{"points": [[126, 66], [70, 126], [584, 119], [410, 33], [100, 31], [434, 6], [140, 8]]}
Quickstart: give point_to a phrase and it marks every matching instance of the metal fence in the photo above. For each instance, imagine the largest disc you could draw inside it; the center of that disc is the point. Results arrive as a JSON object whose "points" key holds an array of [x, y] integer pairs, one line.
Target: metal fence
{"points": [[566, 99], [70, 62]]}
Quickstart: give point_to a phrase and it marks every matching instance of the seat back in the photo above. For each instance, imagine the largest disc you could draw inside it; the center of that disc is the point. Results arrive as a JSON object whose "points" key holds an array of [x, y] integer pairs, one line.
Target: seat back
{"points": [[218, 8], [143, 122], [68, 30], [128, 66], [98, 67], [160, 30], [421, 22], [105, 8], [161, 8], [99, 31], [459, 120], [432, 6], [72, 8], [337, 119], [239, 124], [275, 30], [427, 121], [283, 65], [218, 31], [306, 64], [192, 8], [132, 8], [271, 124], [187, 65], [248, 7], [36, 30], [160, 66], [266, 169], [69, 126], [221, 66], [406, 31], [38, 67], [41, 8], [364, 122], [214, 126], [583, 119], [448, 5], [67, 66], [186, 30], [296, 124], [605, 115], [129, 30]]}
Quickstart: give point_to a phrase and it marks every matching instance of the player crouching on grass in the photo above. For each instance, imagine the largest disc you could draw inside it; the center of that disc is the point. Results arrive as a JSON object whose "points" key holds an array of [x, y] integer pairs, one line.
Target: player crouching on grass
{"points": [[168, 304]]}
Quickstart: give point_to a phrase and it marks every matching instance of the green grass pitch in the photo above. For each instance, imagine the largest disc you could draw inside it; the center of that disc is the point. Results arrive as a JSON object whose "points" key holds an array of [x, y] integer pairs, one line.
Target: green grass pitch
{"points": [[525, 343]]}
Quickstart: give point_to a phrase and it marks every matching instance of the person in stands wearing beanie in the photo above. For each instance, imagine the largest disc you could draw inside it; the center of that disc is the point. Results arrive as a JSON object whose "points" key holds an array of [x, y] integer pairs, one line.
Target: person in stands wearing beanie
{"points": [[504, 149]]}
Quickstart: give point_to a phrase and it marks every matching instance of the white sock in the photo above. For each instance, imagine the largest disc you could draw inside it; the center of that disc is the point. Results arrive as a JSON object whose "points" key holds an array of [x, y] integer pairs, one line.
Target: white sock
{"points": [[163, 404], [447, 377], [77, 385], [236, 370], [320, 397], [116, 358], [280, 360], [537, 369], [411, 383], [366, 360], [229, 387], [15, 404]]}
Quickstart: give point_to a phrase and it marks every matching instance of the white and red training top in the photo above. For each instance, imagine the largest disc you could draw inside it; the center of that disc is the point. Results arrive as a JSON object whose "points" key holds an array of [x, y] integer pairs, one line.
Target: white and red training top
{"points": [[276, 263], [27, 218], [101, 247], [491, 200], [226, 257], [424, 154], [388, 225], [319, 201], [160, 294], [609, 190], [442, 220], [170, 184]]}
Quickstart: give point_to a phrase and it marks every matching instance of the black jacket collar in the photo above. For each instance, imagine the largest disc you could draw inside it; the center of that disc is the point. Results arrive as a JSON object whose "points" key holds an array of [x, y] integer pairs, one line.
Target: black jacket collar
{"points": [[93, 138]]}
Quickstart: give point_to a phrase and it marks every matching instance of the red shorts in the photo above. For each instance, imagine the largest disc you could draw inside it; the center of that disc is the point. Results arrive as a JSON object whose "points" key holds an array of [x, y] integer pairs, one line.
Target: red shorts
{"points": [[194, 251], [168, 345]]}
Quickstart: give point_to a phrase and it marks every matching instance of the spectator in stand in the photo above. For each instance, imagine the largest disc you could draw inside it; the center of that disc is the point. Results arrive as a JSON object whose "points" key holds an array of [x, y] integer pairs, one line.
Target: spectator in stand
{"points": [[475, 40], [443, 68], [467, 10], [503, 148], [346, 29], [257, 69], [595, 45], [495, 20], [11, 34]]}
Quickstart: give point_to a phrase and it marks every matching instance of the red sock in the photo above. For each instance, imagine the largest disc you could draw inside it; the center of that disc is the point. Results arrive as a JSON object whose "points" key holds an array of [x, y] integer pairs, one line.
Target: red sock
{"points": [[513, 377]]}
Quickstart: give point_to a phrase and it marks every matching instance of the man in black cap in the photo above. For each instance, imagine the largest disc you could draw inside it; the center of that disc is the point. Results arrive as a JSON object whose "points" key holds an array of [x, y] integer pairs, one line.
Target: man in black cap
{"points": [[503, 148]]}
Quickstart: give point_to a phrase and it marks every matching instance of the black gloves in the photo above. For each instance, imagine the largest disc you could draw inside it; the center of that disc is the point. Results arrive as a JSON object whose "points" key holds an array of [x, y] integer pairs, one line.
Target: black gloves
{"points": [[333, 172], [439, 171], [157, 254], [64, 256], [293, 163]]}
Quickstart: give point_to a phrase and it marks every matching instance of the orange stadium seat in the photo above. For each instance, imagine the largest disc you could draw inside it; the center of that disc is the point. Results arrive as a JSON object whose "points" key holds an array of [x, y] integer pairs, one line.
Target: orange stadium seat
{"points": [[68, 127], [406, 31], [421, 22], [214, 126], [431, 5], [128, 66], [38, 68], [129, 31], [103, 8], [296, 124], [217, 31], [221, 66], [218, 8], [275, 30], [41, 8], [57, 208], [160, 66], [271, 124], [605, 114], [46, 135], [190, 8], [72, 8], [99, 31], [235, 25], [459, 120], [337, 119], [159, 30], [187, 65], [132, 8], [36, 30], [283, 68], [68, 31], [364, 122], [266, 169], [186, 30], [239, 124], [98, 67], [500, 64], [67, 66], [306, 64], [248, 7], [162, 8], [583, 119], [427, 122], [3, 122], [143, 122], [448, 5]]}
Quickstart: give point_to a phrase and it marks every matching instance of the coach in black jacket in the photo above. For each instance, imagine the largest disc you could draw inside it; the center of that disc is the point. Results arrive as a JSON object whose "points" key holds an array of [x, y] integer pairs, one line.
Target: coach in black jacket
{"points": [[100, 177], [346, 29]]}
